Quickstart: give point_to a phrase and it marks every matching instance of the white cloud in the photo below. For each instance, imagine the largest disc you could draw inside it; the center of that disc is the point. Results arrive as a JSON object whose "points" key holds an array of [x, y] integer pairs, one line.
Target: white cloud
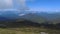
{"points": [[21, 3], [9, 2], [5, 4], [21, 14]]}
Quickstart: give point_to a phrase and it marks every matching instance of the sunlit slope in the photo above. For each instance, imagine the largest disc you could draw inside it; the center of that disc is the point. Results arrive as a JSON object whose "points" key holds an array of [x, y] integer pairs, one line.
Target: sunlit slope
{"points": [[52, 17], [34, 17]]}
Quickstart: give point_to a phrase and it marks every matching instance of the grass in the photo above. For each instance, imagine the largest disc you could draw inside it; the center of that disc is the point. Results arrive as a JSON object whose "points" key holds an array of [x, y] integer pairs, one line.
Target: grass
{"points": [[27, 30]]}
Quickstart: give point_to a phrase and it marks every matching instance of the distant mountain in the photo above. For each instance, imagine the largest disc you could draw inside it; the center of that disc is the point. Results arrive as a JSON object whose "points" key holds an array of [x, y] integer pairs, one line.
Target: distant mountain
{"points": [[43, 17], [38, 17], [3, 18], [34, 18], [13, 14], [53, 17], [9, 14]]}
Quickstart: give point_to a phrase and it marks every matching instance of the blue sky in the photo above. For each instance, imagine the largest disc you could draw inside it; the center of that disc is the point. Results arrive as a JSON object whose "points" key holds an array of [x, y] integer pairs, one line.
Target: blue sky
{"points": [[34, 5], [44, 5]]}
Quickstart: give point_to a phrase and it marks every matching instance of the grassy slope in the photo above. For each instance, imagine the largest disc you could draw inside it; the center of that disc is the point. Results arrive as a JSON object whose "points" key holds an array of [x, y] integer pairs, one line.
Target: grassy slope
{"points": [[27, 30]]}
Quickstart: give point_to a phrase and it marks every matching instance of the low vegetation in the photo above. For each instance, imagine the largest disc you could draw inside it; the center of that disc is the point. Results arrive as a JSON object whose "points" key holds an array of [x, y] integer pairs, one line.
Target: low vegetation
{"points": [[29, 27]]}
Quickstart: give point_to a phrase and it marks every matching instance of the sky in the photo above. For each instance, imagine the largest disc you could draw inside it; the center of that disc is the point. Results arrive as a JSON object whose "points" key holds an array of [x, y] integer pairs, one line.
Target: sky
{"points": [[33, 5], [45, 5]]}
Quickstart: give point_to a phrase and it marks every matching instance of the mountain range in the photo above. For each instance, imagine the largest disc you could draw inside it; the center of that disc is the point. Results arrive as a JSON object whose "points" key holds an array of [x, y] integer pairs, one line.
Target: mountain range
{"points": [[38, 17], [43, 17]]}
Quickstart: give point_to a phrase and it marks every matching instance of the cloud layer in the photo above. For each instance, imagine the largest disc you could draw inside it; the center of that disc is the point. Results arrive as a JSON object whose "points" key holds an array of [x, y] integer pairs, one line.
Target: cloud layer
{"points": [[9, 4], [5, 4]]}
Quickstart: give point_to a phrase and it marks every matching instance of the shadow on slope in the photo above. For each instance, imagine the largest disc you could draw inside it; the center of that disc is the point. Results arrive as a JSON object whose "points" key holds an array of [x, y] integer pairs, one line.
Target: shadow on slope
{"points": [[28, 23], [23, 23]]}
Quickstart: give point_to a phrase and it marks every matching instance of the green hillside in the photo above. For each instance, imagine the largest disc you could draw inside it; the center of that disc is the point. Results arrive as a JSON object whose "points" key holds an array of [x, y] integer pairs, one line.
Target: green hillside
{"points": [[34, 18]]}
